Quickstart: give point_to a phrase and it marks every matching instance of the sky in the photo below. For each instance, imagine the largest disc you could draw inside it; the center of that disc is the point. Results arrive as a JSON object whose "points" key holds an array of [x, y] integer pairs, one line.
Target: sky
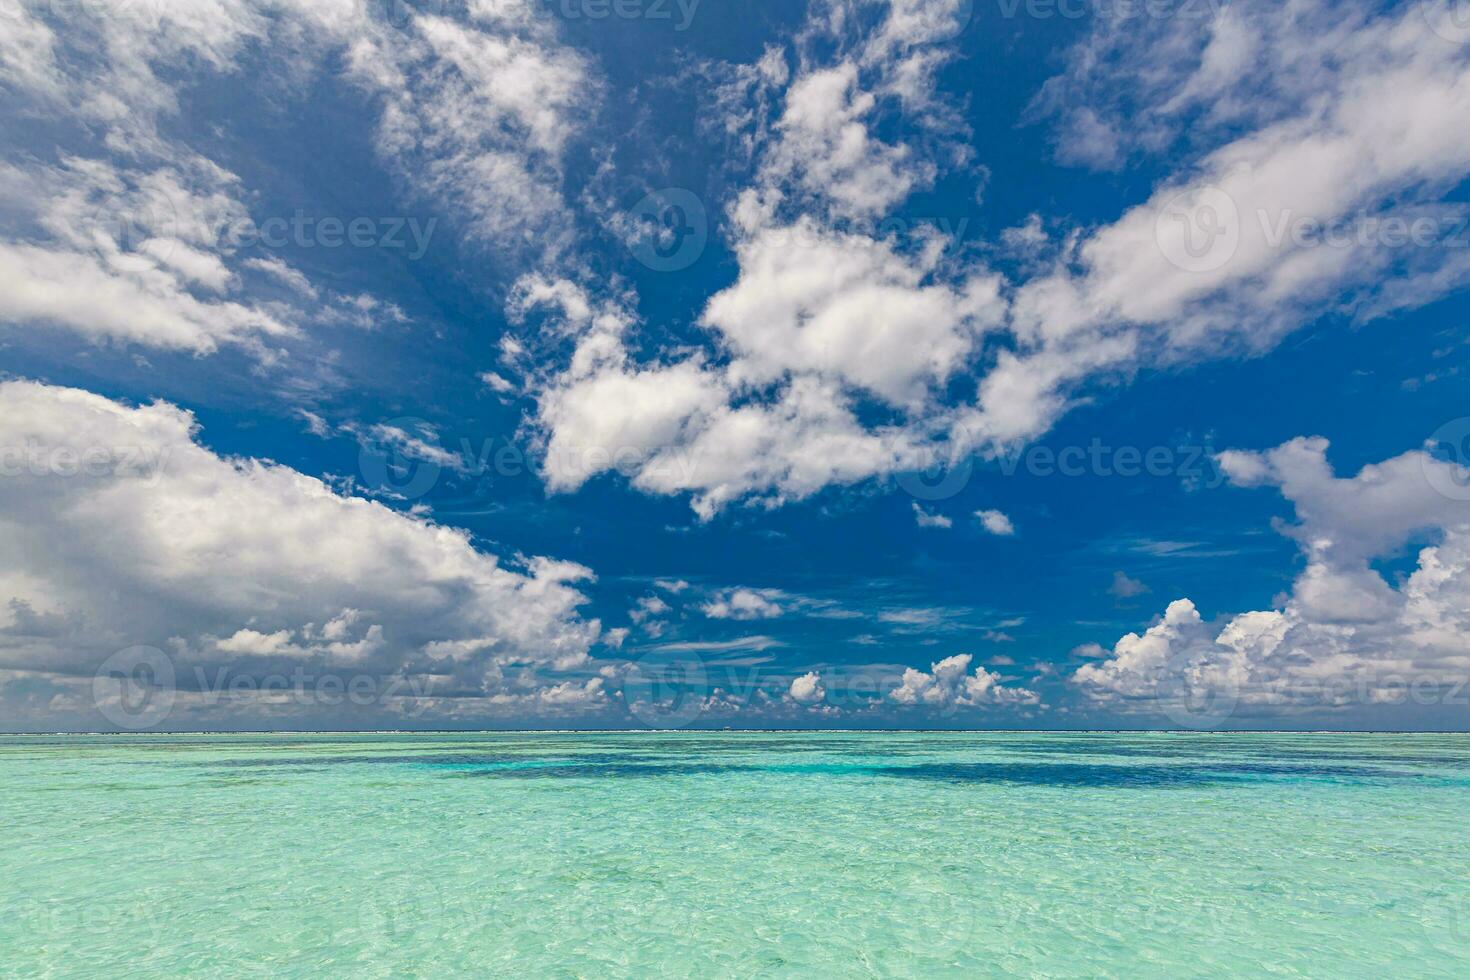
{"points": [[690, 363]]}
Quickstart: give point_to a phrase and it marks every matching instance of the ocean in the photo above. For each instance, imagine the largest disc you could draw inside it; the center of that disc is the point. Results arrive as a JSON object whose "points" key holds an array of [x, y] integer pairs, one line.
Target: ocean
{"points": [[735, 854]]}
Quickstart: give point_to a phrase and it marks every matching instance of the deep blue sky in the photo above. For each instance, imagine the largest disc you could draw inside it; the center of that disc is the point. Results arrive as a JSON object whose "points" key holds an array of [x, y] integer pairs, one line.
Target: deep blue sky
{"points": [[1094, 556]]}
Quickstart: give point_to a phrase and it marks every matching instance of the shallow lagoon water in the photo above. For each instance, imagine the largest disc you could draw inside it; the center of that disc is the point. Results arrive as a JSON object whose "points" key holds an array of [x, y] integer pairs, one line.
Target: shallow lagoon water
{"points": [[735, 854]]}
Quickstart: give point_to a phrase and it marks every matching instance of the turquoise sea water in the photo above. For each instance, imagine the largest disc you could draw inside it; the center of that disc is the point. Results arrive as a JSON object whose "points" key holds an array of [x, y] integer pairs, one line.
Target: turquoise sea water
{"points": [[735, 855]]}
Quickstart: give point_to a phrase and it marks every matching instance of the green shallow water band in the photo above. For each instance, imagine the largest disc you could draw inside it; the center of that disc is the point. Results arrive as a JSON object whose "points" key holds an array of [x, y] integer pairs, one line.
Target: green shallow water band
{"points": [[750, 854]]}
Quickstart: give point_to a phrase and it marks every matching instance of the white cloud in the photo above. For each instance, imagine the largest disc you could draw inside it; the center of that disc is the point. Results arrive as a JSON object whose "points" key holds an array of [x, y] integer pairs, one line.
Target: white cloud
{"points": [[914, 617], [754, 644], [423, 443], [124, 530], [497, 383], [807, 689], [850, 308], [649, 607], [828, 317], [127, 255], [279, 269], [1358, 140], [925, 519], [135, 244], [1344, 635], [996, 523], [949, 686], [1124, 587], [745, 604], [477, 115], [822, 317], [825, 148]]}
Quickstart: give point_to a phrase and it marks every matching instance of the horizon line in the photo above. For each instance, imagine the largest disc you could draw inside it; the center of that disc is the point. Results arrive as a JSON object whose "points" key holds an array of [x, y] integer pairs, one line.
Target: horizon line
{"points": [[750, 731]]}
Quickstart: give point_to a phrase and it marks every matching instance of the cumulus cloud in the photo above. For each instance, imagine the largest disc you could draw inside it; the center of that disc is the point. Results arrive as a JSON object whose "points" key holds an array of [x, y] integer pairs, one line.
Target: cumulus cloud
{"points": [[1124, 587], [807, 689], [926, 519], [995, 522], [650, 607], [826, 314], [1344, 636], [128, 255], [125, 530], [477, 115], [745, 604], [138, 238], [1212, 262], [836, 354], [948, 685]]}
